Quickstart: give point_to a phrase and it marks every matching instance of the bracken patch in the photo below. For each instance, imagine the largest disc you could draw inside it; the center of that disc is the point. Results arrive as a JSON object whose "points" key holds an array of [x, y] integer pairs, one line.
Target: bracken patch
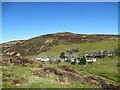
{"points": [[101, 83], [67, 69]]}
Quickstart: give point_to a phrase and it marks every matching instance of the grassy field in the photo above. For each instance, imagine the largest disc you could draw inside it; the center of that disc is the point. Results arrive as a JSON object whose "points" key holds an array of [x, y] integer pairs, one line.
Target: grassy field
{"points": [[106, 68], [18, 76], [83, 48]]}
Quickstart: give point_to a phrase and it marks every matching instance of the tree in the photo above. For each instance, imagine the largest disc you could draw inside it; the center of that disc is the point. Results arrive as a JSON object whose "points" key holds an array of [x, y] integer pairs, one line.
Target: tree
{"points": [[62, 55], [83, 61]]}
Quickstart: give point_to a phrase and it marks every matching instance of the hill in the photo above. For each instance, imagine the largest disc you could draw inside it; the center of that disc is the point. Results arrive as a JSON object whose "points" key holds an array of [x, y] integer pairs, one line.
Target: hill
{"points": [[21, 72], [57, 42], [7, 45]]}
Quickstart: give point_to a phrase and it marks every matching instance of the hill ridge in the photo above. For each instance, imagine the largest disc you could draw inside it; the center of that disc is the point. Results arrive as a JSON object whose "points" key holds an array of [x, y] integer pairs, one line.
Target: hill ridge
{"points": [[44, 43]]}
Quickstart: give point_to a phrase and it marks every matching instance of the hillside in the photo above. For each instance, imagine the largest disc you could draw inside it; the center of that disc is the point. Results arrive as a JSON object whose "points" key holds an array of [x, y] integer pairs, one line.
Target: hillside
{"points": [[7, 45], [24, 73], [57, 42]]}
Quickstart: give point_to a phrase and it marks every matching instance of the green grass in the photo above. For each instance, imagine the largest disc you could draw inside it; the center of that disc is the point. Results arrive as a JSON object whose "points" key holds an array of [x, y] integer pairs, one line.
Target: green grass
{"points": [[38, 82], [83, 48], [105, 68]]}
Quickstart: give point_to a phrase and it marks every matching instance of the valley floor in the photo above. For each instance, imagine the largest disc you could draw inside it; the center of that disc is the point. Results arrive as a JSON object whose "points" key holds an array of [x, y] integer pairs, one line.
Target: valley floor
{"points": [[101, 74]]}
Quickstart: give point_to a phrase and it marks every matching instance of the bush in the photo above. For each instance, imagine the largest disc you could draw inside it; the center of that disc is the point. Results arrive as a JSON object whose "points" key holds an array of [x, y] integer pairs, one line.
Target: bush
{"points": [[62, 55], [83, 61]]}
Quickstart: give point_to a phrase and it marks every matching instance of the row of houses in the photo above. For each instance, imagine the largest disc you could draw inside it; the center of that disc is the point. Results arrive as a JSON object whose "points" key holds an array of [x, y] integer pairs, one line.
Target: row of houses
{"points": [[90, 57], [47, 59], [65, 59], [100, 54]]}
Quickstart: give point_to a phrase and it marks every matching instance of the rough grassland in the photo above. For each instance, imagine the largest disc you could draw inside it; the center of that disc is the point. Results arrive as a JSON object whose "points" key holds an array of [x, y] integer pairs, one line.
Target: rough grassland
{"points": [[83, 48], [17, 76]]}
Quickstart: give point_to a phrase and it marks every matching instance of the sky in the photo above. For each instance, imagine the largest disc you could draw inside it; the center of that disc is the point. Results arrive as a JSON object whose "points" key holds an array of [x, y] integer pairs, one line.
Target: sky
{"points": [[25, 20]]}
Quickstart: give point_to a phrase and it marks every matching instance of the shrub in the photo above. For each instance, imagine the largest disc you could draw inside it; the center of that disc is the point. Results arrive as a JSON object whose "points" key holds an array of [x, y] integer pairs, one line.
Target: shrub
{"points": [[62, 55], [73, 63], [83, 61]]}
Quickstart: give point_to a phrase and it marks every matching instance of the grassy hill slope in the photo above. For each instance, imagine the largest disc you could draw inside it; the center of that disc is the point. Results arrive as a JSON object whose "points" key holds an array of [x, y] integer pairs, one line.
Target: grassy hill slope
{"points": [[25, 73], [109, 44], [53, 44], [36, 74]]}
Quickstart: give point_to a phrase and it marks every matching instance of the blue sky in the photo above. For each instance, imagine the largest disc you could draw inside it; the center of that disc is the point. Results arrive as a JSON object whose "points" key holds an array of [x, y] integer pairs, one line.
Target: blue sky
{"points": [[24, 20]]}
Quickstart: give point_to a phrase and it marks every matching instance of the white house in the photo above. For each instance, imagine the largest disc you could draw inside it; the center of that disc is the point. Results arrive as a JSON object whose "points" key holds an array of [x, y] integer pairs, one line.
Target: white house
{"points": [[45, 59], [38, 58], [91, 60], [42, 59]]}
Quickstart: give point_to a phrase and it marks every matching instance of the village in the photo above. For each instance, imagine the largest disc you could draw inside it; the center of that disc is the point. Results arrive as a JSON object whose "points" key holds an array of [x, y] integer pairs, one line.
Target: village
{"points": [[75, 59]]}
